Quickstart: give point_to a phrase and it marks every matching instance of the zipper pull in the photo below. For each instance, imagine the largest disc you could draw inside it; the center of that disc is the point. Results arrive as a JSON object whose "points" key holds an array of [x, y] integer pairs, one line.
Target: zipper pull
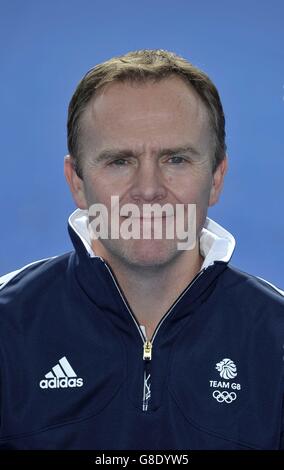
{"points": [[147, 351]]}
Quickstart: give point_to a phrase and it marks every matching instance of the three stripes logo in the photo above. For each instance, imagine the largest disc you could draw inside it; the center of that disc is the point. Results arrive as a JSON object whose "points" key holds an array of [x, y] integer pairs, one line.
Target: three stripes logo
{"points": [[62, 375]]}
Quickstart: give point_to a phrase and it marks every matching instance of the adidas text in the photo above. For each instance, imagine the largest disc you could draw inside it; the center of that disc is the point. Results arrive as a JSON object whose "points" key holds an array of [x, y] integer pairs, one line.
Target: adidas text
{"points": [[61, 383]]}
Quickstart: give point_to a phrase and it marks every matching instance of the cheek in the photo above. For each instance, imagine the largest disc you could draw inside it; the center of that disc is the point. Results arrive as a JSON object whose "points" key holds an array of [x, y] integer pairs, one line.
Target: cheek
{"points": [[194, 191], [94, 190], [170, 180], [99, 189]]}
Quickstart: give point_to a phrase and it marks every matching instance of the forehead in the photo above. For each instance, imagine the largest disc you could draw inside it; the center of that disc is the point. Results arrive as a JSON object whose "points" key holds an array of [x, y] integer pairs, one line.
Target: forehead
{"points": [[161, 113]]}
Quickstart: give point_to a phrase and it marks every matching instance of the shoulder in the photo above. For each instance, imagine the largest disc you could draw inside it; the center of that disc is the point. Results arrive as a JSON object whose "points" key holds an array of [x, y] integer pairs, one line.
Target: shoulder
{"points": [[33, 274], [252, 293], [31, 297], [252, 306], [253, 283]]}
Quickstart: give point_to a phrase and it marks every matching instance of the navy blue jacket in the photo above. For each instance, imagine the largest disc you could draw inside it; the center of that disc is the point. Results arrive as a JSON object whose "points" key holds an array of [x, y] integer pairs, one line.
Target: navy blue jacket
{"points": [[77, 372]]}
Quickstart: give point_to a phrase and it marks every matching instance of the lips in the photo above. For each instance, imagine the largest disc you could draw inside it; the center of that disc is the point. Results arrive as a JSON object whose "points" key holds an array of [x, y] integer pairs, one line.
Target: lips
{"points": [[151, 218]]}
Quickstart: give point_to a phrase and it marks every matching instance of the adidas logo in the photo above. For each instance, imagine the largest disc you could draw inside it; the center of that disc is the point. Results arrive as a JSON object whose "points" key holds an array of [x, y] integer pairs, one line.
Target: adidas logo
{"points": [[61, 376]]}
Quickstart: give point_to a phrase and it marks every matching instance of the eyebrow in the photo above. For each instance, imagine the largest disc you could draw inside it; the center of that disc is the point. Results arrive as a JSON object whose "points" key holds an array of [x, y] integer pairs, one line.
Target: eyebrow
{"points": [[124, 153]]}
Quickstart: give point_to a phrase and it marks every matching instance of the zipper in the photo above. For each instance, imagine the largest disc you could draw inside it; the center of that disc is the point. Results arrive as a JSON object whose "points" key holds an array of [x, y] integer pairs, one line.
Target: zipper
{"points": [[148, 344], [147, 351], [146, 387], [175, 303], [144, 339]]}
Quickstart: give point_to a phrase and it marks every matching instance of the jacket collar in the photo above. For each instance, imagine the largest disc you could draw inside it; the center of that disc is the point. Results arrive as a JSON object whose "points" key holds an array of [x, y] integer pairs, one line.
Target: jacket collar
{"points": [[99, 284], [216, 243]]}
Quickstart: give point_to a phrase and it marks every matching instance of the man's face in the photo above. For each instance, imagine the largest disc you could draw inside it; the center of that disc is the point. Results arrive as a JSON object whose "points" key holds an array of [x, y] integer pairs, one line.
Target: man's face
{"points": [[141, 121]]}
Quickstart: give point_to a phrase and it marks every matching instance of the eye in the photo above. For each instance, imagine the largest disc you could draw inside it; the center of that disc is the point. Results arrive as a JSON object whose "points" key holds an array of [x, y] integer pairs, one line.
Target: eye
{"points": [[176, 159], [119, 162]]}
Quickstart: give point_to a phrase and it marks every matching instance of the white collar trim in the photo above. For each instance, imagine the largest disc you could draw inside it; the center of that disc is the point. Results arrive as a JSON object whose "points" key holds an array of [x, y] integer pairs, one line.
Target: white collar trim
{"points": [[216, 243]]}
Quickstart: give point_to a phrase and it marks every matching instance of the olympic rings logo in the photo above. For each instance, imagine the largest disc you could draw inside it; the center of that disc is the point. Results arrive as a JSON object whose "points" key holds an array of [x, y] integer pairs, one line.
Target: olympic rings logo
{"points": [[224, 396]]}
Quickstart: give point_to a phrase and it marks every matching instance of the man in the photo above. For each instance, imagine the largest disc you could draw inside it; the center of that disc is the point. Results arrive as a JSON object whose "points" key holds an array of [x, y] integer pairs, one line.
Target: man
{"points": [[132, 343]]}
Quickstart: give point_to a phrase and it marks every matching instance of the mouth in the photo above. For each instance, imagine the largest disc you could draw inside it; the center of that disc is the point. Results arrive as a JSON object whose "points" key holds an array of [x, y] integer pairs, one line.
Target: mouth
{"points": [[149, 217], [152, 218]]}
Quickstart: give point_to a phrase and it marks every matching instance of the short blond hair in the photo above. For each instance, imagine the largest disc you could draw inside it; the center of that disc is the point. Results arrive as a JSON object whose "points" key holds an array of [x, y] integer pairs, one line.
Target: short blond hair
{"points": [[142, 66]]}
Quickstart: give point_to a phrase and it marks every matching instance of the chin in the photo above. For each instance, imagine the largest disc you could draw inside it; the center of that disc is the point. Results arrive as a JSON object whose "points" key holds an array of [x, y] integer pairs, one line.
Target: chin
{"points": [[147, 253]]}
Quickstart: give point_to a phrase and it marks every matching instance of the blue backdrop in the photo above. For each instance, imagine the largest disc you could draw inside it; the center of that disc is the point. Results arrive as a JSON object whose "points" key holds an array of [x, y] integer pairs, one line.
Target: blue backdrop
{"points": [[46, 47]]}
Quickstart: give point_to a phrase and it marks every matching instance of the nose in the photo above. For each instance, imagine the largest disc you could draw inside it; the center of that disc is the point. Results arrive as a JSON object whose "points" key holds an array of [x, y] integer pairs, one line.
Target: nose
{"points": [[148, 184]]}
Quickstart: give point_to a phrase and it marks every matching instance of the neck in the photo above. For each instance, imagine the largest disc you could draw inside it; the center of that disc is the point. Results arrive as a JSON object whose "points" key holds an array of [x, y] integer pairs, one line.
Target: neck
{"points": [[150, 292]]}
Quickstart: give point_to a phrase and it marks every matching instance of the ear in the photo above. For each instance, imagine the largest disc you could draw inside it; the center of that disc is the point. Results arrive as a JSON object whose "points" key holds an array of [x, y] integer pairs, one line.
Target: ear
{"points": [[75, 183], [218, 180]]}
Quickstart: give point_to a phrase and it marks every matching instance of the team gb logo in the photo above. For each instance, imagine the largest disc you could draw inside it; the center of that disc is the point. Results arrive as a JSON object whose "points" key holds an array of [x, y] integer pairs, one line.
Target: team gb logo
{"points": [[227, 369]]}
